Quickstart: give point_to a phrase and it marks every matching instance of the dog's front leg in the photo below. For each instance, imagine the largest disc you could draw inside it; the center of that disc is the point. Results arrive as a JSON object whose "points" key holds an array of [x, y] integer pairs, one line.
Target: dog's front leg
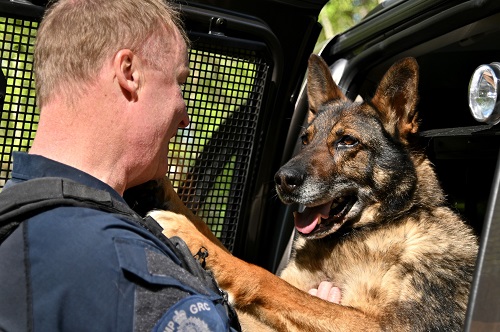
{"points": [[258, 292], [173, 203]]}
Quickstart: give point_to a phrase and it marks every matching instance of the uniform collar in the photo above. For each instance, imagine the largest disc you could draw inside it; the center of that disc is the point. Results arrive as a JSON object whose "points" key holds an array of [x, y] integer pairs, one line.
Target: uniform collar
{"points": [[29, 166]]}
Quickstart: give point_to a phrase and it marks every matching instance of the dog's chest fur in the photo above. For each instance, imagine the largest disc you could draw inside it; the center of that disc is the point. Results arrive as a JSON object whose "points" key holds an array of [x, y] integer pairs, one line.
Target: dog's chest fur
{"points": [[389, 265]]}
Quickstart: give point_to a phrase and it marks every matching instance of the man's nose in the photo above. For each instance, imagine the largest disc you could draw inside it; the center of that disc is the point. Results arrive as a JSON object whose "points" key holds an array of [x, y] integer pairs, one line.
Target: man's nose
{"points": [[185, 119]]}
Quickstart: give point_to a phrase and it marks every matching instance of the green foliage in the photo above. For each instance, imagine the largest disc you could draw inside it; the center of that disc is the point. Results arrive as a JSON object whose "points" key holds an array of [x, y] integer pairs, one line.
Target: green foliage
{"points": [[339, 15]]}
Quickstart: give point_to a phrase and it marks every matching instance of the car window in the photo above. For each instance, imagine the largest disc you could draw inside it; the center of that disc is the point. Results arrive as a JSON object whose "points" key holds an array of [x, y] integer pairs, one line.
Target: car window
{"points": [[339, 15]]}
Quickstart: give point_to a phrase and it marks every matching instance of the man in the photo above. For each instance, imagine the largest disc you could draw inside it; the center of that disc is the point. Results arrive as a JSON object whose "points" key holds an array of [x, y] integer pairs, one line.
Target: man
{"points": [[109, 76]]}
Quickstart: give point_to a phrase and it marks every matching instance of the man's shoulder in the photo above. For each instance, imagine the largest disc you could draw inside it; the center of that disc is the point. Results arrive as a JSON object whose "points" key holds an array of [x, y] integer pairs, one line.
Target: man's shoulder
{"points": [[84, 222], [64, 204], [90, 238]]}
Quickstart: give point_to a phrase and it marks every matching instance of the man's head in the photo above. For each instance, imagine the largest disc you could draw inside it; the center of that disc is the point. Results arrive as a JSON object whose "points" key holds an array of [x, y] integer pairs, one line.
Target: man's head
{"points": [[109, 76], [76, 37]]}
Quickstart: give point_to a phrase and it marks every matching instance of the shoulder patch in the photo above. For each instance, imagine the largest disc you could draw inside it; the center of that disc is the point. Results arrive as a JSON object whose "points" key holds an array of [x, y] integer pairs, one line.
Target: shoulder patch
{"points": [[193, 313]]}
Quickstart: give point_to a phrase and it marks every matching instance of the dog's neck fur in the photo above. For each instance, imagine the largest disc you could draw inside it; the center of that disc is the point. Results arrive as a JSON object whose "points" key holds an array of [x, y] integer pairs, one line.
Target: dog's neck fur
{"points": [[428, 191]]}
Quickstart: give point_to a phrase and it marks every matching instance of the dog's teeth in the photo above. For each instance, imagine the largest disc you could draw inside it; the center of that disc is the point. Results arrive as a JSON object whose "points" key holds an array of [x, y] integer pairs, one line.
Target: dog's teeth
{"points": [[336, 203], [301, 208]]}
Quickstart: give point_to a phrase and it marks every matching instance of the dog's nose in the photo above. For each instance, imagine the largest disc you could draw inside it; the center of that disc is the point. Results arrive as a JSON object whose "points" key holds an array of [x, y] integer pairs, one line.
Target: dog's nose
{"points": [[287, 179]]}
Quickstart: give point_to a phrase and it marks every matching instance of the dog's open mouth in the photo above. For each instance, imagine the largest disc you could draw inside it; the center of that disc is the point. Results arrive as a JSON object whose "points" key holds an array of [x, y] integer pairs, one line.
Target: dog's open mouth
{"points": [[325, 218]]}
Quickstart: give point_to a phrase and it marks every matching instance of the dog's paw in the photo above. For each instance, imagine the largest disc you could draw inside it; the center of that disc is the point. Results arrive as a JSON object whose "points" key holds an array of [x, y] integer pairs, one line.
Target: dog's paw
{"points": [[174, 224]]}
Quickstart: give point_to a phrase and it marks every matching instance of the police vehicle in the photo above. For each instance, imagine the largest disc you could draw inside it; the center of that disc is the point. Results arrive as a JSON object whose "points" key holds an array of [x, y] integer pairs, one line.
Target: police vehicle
{"points": [[247, 105]]}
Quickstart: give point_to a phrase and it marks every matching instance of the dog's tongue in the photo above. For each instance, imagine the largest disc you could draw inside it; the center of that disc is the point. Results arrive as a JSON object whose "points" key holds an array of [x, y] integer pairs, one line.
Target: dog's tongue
{"points": [[306, 221]]}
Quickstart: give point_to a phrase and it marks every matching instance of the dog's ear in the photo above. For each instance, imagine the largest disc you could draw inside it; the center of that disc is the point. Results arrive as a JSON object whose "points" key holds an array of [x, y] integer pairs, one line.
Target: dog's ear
{"points": [[396, 98], [320, 85]]}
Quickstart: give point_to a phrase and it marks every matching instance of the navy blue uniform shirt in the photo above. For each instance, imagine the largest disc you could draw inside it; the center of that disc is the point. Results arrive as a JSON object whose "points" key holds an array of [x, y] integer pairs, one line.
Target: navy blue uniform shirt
{"points": [[82, 269]]}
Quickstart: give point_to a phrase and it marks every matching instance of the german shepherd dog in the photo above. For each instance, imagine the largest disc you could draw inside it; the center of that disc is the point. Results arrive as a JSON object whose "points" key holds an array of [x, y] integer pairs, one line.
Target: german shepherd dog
{"points": [[375, 223]]}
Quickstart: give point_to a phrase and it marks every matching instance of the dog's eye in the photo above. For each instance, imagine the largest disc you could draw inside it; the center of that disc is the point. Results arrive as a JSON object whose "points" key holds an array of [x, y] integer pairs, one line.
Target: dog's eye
{"points": [[347, 141]]}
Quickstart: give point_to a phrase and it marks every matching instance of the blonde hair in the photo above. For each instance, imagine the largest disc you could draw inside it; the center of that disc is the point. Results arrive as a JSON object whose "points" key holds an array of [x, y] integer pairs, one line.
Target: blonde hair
{"points": [[76, 37]]}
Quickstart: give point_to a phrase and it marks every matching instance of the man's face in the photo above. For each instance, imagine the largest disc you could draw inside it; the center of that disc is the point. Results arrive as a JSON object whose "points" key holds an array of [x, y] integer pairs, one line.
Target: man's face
{"points": [[163, 111]]}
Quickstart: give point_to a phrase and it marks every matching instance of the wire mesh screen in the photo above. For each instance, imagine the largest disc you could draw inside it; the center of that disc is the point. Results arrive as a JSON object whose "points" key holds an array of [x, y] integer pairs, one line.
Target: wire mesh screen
{"points": [[19, 115], [209, 159]]}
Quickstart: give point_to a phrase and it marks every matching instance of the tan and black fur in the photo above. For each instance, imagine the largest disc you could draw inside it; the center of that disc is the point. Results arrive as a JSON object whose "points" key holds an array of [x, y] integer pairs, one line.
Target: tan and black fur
{"points": [[376, 223]]}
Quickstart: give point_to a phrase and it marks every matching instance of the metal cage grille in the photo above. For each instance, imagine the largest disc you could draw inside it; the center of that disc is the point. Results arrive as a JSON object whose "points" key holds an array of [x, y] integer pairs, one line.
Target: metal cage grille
{"points": [[19, 114], [209, 159]]}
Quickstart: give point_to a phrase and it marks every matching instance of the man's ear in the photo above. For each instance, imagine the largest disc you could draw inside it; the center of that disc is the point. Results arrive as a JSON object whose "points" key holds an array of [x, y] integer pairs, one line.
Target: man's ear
{"points": [[127, 70]]}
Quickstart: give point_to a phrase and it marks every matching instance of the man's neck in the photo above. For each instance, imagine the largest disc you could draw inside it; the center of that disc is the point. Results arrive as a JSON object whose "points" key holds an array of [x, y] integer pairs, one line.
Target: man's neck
{"points": [[73, 138]]}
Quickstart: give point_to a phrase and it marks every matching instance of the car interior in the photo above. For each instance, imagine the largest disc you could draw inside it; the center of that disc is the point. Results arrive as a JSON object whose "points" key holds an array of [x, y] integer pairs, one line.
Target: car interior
{"points": [[247, 105]]}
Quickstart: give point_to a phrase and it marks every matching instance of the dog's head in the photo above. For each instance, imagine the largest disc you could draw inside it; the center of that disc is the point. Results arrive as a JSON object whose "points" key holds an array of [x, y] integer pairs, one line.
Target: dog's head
{"points": [[355, 167]]}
